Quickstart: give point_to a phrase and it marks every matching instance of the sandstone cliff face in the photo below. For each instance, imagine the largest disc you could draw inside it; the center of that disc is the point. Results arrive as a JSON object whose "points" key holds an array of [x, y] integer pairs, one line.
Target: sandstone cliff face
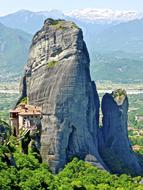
{"points": [[60, 83], [57, 78], [114, 145]]}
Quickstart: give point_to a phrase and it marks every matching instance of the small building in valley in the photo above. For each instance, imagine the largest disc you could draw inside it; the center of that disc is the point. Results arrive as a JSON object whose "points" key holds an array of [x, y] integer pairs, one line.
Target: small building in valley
{"points": [[24, 116]]}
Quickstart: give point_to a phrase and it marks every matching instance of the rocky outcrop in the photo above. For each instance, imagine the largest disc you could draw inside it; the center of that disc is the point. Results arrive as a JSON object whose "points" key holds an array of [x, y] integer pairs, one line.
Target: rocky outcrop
{"points": [[114, 145], [60, 83], [57, 79]]}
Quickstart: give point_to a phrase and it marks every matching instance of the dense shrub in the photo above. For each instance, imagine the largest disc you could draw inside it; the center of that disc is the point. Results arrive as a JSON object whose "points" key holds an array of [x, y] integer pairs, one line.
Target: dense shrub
{"points": [[29, 174]]}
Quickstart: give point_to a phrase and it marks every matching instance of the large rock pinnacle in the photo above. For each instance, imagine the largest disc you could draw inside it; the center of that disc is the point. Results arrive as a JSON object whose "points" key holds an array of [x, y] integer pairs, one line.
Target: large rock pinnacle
{"points": [[60, 83], [57, 79], [115, 148]]}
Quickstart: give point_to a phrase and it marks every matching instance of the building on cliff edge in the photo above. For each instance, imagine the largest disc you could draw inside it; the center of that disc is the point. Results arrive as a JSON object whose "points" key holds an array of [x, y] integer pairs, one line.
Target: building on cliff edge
{"points": [[24, 116]]}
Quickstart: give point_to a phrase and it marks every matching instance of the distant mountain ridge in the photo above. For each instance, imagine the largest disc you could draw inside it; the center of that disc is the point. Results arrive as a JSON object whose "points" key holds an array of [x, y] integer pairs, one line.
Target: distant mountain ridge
{"points": [[25, 20], [30, 21], [125, 36], [105, 15], [118, 51], [14, 45]]}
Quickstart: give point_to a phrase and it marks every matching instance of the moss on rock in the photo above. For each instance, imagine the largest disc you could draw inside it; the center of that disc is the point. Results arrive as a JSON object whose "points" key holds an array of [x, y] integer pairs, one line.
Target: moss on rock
{"points": [[52, 64]]}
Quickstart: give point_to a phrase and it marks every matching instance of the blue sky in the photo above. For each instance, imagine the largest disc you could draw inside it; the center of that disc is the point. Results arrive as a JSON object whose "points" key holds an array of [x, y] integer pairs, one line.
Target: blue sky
{"points": [[8, 6]]}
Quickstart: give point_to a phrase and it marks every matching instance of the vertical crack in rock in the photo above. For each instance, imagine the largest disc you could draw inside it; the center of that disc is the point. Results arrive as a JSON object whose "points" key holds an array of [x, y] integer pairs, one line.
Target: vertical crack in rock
{"points": [[114, 145], [60, 83]]}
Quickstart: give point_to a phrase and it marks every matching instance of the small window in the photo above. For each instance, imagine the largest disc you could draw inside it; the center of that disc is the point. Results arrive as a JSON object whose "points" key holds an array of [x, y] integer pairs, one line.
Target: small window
{"points": [[13, 115]]}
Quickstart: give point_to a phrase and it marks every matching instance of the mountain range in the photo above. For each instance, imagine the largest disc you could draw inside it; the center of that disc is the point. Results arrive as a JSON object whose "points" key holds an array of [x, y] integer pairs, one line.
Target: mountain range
{"points": [[14, 45], [104, 15], [30, 21], [114, 39]]}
